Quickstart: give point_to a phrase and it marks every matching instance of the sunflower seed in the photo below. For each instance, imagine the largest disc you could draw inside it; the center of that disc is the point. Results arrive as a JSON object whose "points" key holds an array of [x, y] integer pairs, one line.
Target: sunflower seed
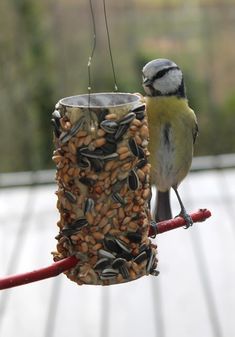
{"points": [[102, 263], [81, 150], [87, 181], [127, 118], [124, 271], [119, 262], [109, 148], [133, 147], [56, 127], [102, 115], [122, 245], [89, 205], [122, 129], [141, 163], [68, 232], [111, 156], [109, 126], [70, 196], [126, 256], [151, 262], [65, 136], [83, 162], [93, 155], [108, 273], [143, 248], [110, 138], [148, 251], [79, 223], [141, 153], [96, 154], [133, 180], [140, 258], [139, 111], [105, 254], [111, 244], [138, 108], [134, 237], [154, 272], [77, 126], [117, 198], [97, 164], [74, 227], [58, 236]]}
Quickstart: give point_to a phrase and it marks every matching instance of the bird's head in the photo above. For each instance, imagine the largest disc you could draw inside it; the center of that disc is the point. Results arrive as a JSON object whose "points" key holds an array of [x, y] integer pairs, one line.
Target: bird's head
{"points": [[162, 77]]}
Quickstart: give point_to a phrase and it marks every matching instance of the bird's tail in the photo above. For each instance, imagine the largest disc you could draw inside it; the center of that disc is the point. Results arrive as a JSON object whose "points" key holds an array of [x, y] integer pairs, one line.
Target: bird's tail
{"points": [[163, 207]]}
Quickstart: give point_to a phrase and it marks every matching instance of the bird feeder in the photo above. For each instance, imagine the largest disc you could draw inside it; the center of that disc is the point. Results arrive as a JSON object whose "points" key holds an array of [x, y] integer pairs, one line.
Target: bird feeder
{"points": [[104, 193], [104, 189]]}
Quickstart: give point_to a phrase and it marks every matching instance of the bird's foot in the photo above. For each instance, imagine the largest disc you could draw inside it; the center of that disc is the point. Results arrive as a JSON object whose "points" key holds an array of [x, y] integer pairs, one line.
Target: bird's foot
{"points": [[153, 226], [187, 218]]}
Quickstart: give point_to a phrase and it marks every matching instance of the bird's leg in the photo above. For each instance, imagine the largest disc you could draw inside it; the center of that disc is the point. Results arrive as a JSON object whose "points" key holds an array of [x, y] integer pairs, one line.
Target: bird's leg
{"points": [[183, 213]]}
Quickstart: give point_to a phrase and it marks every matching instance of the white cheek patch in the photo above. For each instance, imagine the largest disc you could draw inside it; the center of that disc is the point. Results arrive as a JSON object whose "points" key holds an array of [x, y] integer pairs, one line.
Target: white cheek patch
{"points": [[149, 72], [169, 83]]}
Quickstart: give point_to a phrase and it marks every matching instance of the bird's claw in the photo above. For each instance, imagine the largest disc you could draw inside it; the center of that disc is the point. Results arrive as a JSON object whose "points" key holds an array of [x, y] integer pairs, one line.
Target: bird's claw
{"points": [[153, 226], [187, 218]]}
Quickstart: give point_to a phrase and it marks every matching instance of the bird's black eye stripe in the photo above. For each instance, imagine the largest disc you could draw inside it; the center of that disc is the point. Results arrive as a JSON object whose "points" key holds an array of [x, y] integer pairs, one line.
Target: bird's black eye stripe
{"points": [[162, 72]]}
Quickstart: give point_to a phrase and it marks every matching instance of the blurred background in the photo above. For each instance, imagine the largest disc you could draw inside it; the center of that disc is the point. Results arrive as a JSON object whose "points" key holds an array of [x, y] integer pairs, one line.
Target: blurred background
{"points": [[44, 49]]}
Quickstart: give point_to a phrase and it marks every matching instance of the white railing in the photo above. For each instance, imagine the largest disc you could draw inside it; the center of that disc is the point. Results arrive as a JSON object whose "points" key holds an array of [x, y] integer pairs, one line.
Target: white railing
{"points": [[44, 177]]}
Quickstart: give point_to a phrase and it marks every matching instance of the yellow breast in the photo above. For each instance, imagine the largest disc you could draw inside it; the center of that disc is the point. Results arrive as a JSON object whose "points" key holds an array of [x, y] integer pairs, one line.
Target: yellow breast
{"points": [[171, 125]]}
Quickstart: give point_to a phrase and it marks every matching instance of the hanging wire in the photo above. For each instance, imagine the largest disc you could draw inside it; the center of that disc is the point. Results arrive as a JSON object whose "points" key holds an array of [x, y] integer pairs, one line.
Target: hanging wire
{"points": [[110, 49], [92, 126], [91, 56], [93, 51]]}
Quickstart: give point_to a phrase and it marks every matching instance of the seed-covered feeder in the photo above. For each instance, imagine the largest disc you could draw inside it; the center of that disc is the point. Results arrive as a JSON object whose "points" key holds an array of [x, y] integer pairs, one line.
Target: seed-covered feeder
{"points": [[104, 189], [104, 193]]}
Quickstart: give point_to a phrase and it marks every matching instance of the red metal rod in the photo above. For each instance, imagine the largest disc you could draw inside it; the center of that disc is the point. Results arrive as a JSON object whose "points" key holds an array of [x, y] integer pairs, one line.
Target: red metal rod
{"points": [[70, 262], [167, 225], [39, 274]]}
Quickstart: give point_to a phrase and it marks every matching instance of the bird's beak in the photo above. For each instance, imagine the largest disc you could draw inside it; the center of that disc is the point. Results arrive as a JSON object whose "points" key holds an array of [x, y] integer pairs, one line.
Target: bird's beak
{"points": [[147, 82]]}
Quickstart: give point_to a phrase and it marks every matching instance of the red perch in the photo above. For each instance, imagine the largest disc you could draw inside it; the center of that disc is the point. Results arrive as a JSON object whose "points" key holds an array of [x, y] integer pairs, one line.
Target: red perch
{"points": [[70, 262]]}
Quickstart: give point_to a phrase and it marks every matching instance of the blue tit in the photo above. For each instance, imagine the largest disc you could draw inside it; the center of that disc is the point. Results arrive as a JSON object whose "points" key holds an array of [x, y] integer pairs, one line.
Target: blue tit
{"points": [[172, 129]]}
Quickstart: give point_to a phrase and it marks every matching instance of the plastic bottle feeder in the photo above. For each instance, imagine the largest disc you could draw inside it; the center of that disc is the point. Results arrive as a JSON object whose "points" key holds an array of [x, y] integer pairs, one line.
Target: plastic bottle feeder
{"points": [[104, 193], [104, 188]]}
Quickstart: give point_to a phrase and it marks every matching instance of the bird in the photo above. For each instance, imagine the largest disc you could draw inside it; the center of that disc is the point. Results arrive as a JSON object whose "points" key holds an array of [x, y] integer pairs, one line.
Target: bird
{"points": [[173, 130]]}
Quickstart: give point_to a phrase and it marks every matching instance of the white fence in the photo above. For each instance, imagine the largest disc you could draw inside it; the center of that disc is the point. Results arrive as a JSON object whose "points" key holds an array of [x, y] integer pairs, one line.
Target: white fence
{"points": [[44, 177]]}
